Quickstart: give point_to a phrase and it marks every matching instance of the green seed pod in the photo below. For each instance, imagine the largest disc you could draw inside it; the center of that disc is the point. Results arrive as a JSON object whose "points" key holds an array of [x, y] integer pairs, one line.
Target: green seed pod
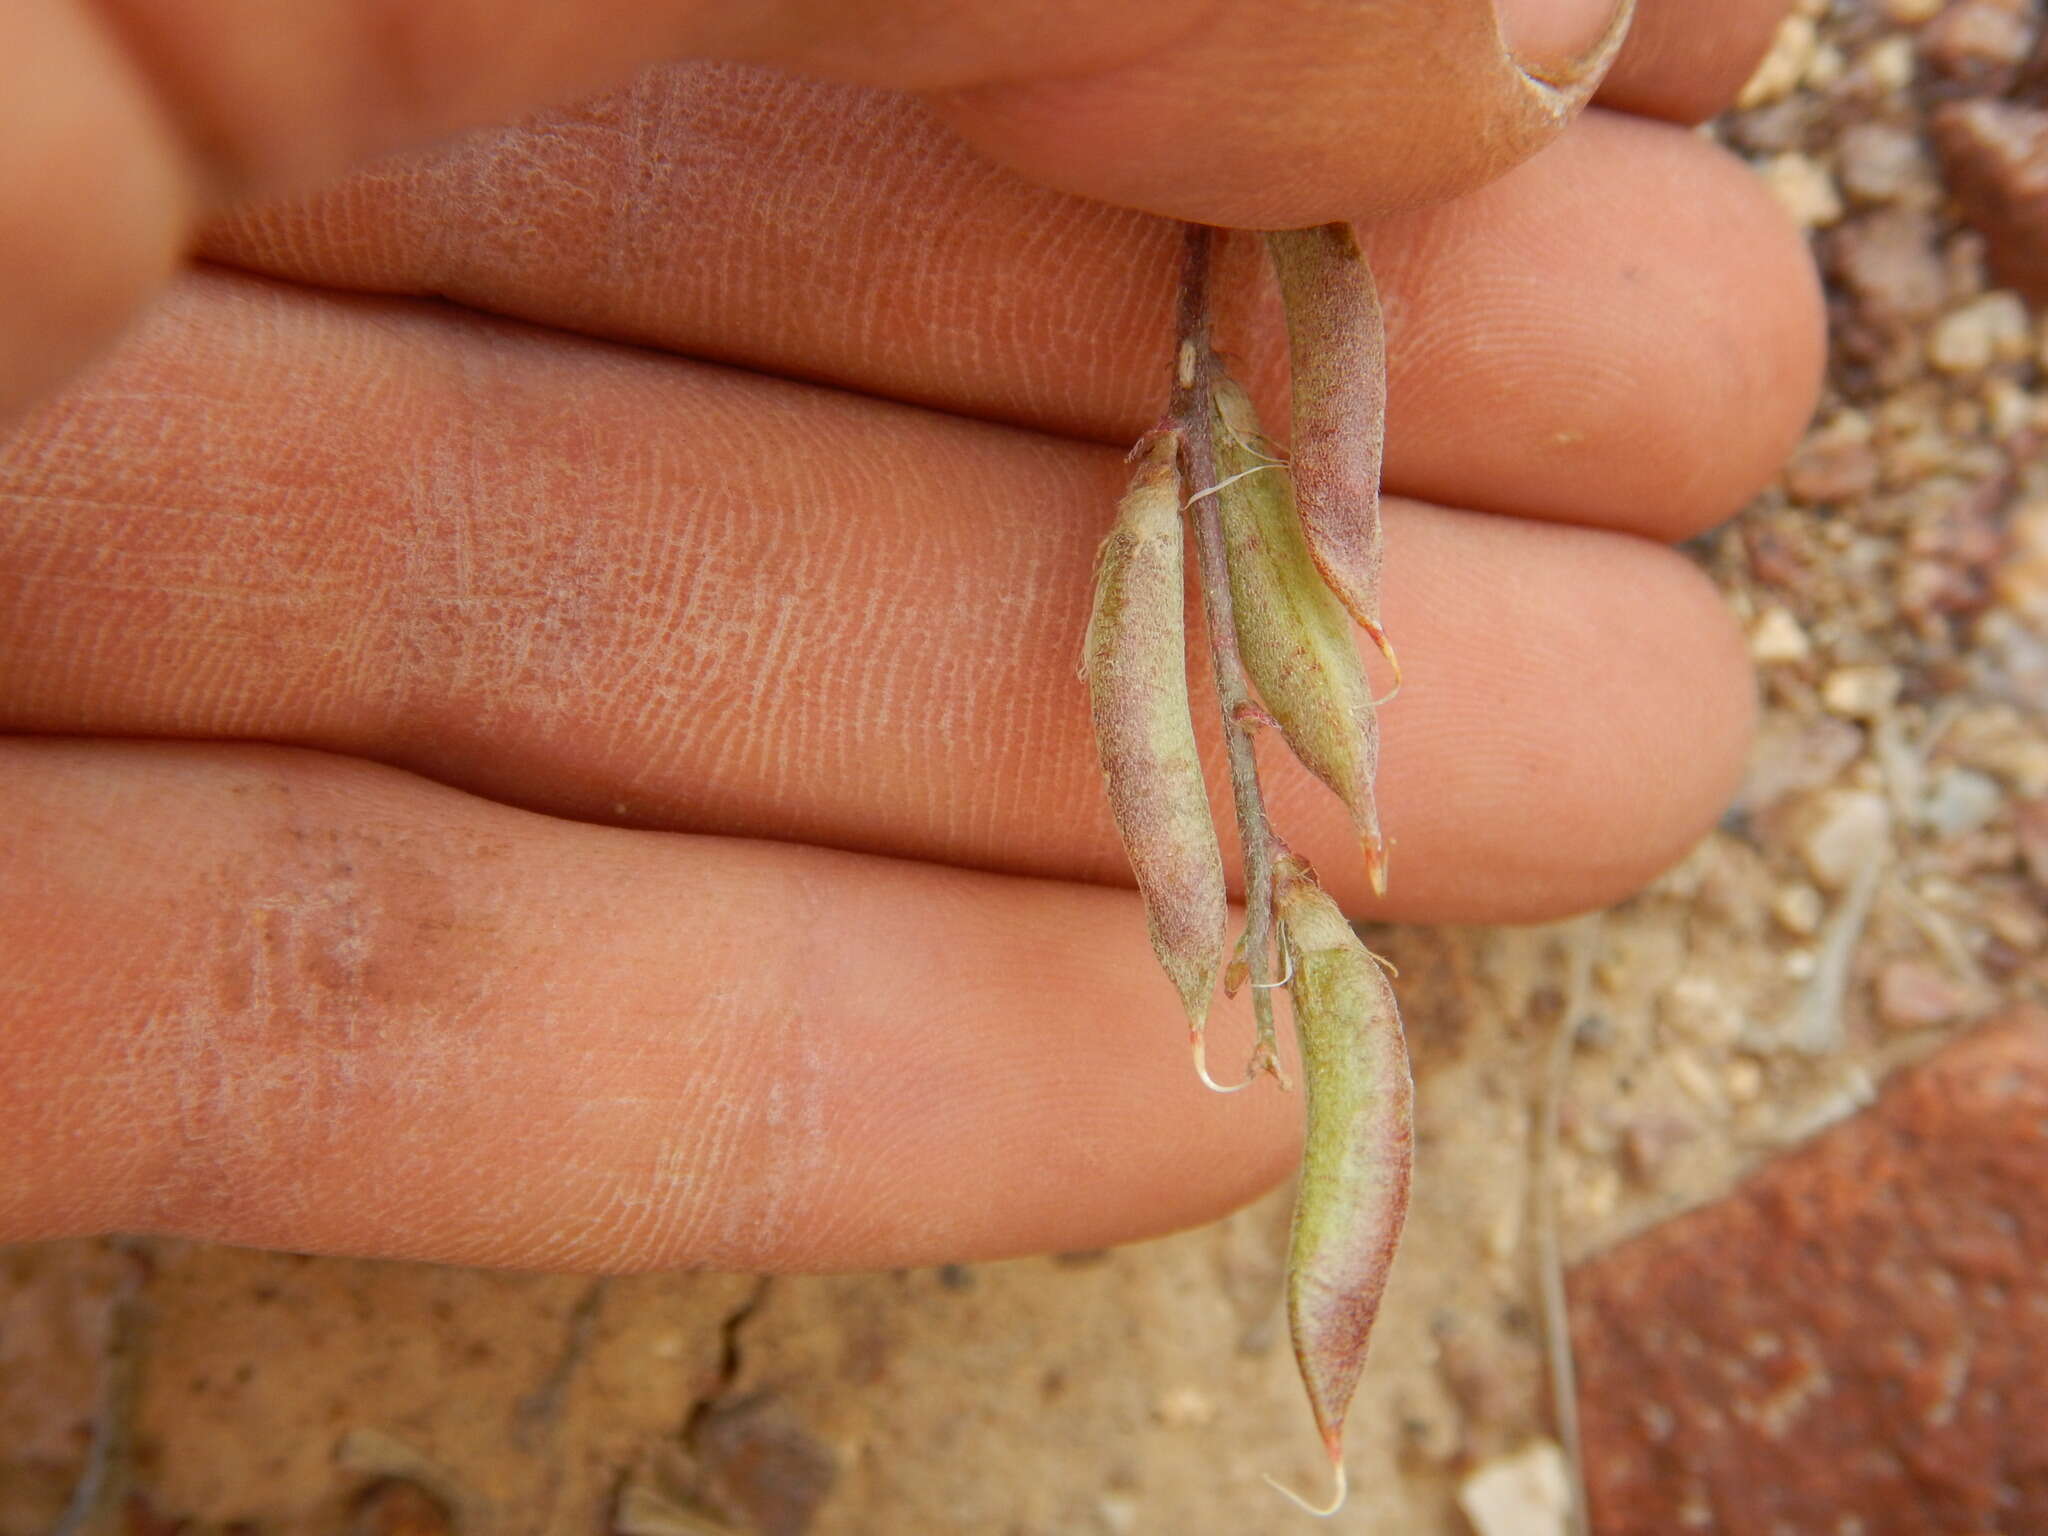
{"points": [[1136, 666], [1293, 632], [1359, 1151]]}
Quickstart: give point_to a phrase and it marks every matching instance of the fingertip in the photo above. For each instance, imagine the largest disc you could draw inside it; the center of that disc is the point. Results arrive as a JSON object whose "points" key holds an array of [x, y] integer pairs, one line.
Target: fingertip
{"points": [[1560, 754], [1685, 62], [96, 201], [1339, 114], [1653, 378]]}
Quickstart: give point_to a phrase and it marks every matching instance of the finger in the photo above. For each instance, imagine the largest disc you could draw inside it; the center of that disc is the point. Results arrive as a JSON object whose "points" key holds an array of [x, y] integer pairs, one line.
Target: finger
{"points": [[93, 201], [281, 999], [1626, 331], [121, 118], [1685, 61], [619, 586]]}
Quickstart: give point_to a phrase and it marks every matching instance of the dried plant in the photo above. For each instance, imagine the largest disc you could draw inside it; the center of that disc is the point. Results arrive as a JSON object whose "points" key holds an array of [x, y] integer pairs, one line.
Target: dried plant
{"points": [[1288, 556]]}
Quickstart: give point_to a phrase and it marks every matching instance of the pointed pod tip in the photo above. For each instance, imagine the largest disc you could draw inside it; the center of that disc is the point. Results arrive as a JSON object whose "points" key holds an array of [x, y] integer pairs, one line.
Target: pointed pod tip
{"points": [[1375, 850]]}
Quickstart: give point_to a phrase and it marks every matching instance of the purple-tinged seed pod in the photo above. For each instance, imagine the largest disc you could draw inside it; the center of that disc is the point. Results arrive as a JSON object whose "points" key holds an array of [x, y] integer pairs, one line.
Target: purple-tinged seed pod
{"points": [[1358, 1153], [1336, 343], [1136, 666]]}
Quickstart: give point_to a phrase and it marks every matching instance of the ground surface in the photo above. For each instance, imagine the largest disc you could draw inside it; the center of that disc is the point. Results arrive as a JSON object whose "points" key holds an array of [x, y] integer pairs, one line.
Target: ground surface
{"points": [[1881, 888]]}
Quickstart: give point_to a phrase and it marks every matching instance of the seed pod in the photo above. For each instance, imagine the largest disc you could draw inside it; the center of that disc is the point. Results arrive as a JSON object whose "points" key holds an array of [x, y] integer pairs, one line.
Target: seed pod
{"points": [[1336, 343], [1359, 1150], [1136, 666], [1294, 635]]}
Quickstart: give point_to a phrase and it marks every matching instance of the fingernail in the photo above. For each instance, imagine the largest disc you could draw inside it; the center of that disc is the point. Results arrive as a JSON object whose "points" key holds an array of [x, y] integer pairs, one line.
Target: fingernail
{"points": [[1550, 37]]}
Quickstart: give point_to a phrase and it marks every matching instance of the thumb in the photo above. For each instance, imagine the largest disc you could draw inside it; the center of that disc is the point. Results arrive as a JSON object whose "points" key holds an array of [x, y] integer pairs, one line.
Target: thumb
{"points": [[123, 121], [1337, 110]]}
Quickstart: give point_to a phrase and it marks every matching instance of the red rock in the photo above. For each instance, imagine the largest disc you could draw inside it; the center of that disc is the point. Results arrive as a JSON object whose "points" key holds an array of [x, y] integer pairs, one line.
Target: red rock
{"points": [[1856, 1339], [1978, 43], [1826, 470], [1912, 994], [1995, 158], [399, 1508], [1889, 265], [2030, 825]]}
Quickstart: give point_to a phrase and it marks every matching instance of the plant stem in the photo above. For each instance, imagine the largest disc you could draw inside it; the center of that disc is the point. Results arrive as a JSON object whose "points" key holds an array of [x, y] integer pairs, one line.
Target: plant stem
{"points": [[1190, 414]]}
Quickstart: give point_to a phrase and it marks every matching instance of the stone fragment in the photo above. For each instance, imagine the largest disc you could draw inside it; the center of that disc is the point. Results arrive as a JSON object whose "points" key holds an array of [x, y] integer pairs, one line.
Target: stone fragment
{"points": [[1910, 13], [1861, 693], [1994, 157], [1988, 330], [765, 1465], [1848, 829], [1888, 262], [1880, 163], [1699, 1008], [2022, 577], [1960, 800], [1779, 73], [1799, 909], [1803, 188], [1776, 636], [1856, 1339], [2030, 827], [1912, 994], [1888, 64], [1828, 468], [1977, 43], [1648, 1141], [399, 1508], [1526, 1494], [1790, 756]]}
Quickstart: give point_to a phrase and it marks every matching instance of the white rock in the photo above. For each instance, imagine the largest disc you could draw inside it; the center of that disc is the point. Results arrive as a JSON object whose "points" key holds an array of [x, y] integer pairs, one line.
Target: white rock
{"points": [[1804, 189], [1860, 693], [1776, 636], [1960, 800], [1526, 1494], [1990, 329], [1798, 909], [1850, 826]]}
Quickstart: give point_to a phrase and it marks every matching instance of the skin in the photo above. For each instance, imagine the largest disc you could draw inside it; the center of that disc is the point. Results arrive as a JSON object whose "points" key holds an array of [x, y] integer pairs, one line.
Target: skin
{"points": [[540, 679]]}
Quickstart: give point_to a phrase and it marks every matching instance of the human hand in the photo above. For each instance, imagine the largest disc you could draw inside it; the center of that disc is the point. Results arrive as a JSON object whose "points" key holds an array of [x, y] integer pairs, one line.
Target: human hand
{"points": [[621, 806]]}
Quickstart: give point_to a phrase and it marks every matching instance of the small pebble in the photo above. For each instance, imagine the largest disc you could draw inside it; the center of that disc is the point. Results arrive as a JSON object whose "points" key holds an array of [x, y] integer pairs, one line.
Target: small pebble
{"points": [[1799, 910], [1888, 262], [1647, 1144], [1744, 1080], [1880, 163], [1185, 1408], [1698, 1008], [1849, 827], [1777, 637], [1526, 1494], [1889, 64], [1804, 189], [2030, 826], [1778, 75], [1861, 693], [1976, 41], [1960, 800], [1829, 468], [1914, 995], [1987, 330]]}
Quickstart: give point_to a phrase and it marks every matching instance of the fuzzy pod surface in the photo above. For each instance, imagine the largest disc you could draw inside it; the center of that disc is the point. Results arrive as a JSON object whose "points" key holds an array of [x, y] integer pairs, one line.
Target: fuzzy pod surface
{"points": [[1135, 661], [1296, 638], [1359, 1151]]}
